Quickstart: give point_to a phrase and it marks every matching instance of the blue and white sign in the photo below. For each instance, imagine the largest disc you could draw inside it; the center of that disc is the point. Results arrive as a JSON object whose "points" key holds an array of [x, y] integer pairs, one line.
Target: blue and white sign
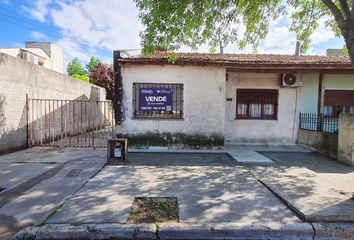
{"points": [[155, 99]]}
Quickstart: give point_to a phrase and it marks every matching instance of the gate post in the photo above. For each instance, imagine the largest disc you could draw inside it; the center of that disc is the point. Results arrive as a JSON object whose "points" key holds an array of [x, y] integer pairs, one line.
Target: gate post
{"points": [[346, 139], [27, 122]]}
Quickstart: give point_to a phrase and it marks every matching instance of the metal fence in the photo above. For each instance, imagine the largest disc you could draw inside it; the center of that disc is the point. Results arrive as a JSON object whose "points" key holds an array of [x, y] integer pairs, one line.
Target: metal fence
{"points": [[315, 122], [69, 123]]}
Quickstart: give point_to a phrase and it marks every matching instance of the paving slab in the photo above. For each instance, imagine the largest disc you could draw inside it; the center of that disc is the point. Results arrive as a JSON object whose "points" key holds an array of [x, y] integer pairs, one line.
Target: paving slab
{"points": [[318, 187], [210, 188], [249, 153], [249, 157], [267, 148]]}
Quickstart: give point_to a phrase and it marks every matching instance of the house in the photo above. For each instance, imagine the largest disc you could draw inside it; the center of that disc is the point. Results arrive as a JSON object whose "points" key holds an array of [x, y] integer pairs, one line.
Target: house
{"points": [[210, 99], [46, 54]]}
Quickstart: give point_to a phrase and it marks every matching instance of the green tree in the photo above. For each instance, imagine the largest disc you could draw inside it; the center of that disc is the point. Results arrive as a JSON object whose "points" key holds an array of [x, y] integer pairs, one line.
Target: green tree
{"points": [[92, 64], [82, 77], [103, 75], [75, 68], [173, 23]]}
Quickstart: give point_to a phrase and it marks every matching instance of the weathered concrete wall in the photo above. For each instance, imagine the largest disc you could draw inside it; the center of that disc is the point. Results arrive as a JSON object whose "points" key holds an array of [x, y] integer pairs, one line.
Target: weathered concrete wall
{"points": [[18, 78], [326, 143], [283, 130], [204, 111], [346, 139]]}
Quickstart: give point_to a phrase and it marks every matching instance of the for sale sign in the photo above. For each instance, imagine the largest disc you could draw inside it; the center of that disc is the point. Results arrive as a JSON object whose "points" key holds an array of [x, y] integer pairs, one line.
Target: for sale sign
{"points": [[155, 99]]}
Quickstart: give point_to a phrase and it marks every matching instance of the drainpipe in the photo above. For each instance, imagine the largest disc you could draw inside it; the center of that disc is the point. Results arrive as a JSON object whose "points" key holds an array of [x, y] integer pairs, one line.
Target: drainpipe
{"points": [[118, 88], [319, 102]]}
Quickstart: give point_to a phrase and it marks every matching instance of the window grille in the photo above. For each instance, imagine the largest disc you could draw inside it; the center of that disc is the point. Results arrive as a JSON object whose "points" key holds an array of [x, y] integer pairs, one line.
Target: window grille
{"points": [[257, 104], [163, 111]]}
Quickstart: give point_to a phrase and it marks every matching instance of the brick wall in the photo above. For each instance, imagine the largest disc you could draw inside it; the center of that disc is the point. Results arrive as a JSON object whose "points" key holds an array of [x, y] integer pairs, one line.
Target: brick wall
{"points": [[18, 78]]}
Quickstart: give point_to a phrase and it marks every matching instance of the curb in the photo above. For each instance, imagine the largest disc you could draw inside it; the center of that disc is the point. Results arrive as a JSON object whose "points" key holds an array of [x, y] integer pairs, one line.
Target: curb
{"points": [[185, 231], [331, 231], [235, 231], [88, 231]]}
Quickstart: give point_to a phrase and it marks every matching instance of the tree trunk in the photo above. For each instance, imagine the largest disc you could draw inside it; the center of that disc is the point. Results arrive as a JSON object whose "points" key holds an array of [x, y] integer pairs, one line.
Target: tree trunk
{"points": [[348, 34]]}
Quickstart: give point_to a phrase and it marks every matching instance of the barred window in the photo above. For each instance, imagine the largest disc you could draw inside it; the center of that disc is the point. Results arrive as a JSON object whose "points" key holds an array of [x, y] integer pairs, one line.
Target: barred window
{"points": [[257, 103], [151, 100]]}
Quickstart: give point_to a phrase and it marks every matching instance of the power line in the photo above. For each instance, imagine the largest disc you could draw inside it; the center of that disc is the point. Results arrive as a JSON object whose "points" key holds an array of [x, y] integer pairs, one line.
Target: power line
{"points": [[55, 35], [26, 27], [24, 20]]}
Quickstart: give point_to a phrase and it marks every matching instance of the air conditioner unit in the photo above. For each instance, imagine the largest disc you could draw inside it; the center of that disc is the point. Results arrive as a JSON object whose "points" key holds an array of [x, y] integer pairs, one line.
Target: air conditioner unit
{"points": [[290, 80], [29, 57], [26, 56]]}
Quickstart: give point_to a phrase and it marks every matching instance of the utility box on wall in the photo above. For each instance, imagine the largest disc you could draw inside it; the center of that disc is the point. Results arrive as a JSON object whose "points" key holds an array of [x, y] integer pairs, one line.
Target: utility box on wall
{"points": [[117, 150]]}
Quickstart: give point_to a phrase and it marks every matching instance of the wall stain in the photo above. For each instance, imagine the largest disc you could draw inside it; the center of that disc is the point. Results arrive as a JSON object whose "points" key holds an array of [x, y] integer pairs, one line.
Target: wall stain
{"points": [[173, 140]]}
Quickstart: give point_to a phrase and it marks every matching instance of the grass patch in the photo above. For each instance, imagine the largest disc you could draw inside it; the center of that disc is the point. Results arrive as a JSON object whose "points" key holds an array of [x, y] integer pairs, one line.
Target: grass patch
{"points": [[153, 210]]}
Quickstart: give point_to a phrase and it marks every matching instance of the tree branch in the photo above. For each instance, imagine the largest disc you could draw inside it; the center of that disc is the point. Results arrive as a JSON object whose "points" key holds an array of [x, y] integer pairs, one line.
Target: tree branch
{"points": [[345, 8], [335, 11]]}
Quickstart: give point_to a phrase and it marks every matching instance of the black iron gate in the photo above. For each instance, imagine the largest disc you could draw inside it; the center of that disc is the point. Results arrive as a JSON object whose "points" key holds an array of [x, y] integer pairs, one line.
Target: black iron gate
{"points": [[69, 123]]}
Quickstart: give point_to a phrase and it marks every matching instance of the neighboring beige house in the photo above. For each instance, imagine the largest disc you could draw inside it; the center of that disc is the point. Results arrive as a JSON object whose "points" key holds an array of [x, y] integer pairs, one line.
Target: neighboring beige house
{"points": [[45, 54]]}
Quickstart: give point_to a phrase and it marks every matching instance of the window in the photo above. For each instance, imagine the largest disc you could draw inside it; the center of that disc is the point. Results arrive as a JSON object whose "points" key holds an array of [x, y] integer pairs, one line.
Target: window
{"points": [[340, 101], [328, 111], [334, 111], [351, 109], [152, 100], [257, 103]]}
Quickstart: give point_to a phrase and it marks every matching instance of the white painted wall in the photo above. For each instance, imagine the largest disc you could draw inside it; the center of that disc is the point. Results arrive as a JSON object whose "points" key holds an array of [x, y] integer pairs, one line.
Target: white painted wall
{"points": [[284, 130], [204, 91]]}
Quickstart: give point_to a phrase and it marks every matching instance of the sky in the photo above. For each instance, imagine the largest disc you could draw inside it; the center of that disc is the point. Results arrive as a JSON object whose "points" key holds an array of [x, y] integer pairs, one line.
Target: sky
{"points": [[85, 28]]}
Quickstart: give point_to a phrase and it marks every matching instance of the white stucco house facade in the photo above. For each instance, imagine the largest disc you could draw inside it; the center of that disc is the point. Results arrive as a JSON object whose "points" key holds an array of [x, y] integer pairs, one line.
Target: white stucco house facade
{"points": [[215, 99]]}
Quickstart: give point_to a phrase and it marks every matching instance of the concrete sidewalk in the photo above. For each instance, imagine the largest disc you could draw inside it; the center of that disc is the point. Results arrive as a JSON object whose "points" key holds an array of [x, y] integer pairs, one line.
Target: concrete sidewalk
{"points": [[235, 193], [210, 188], [318, 188], [38, 180]]}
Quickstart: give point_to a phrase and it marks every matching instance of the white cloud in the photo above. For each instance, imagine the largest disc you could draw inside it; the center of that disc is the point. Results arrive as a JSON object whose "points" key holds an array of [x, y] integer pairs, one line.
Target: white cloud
{"points": [[322, 34], [73, 49], [89, 27], [40, 9], [38, 35]]}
